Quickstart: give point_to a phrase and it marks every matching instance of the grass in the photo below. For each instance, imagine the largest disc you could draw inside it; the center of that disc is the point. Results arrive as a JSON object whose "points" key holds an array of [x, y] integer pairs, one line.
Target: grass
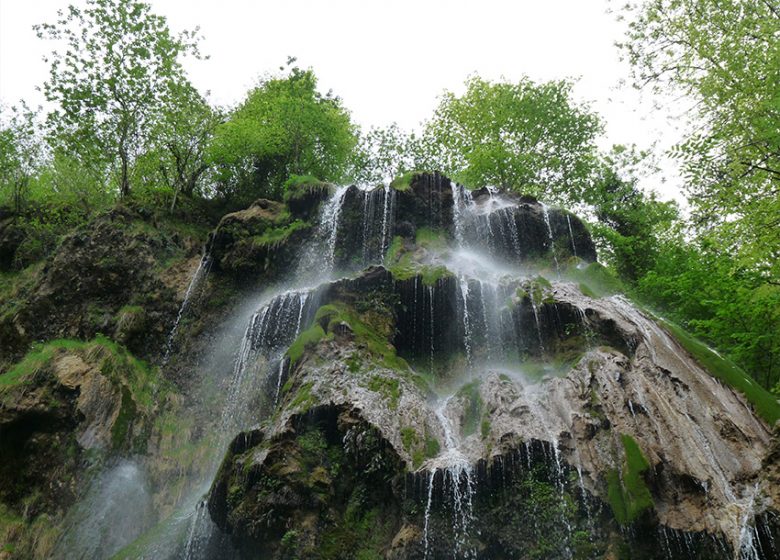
{"points": [[306, 340], [403, 182], [39, 356], [595, 280], [764, 402], [627, 491], [388, 387]]}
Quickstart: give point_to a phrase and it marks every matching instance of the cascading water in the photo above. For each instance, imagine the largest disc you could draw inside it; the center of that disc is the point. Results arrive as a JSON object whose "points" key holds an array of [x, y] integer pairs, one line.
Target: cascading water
{"points": [[197, 279], [457, 485], [483, 301], [546, 213], [571, 235]]}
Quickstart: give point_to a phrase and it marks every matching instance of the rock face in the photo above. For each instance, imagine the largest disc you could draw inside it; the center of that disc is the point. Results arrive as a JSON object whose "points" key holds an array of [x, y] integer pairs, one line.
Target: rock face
{"points": [[64, 410], [470, 400], [107, 277], [414, 371]]}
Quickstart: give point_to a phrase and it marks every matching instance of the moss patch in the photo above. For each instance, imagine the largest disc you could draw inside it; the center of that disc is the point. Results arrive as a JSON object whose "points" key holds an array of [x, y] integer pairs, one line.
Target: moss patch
{"points": [[764, 402], [403, 182], [627, 491], [306, 340]]}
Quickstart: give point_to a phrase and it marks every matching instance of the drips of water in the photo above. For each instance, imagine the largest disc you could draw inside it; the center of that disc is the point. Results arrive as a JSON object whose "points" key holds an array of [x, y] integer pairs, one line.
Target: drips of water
{"points": [[200, 274], [571, 235], [116, 510], [546, 213], [458, 479]]}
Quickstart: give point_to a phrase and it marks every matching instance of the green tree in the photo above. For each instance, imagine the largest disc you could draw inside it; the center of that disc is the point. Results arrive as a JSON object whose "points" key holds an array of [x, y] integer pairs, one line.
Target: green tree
{"points": [[525, 136], [21, 155], [724, 55], [383, 154], [110, 80], [284, 127], [630, 222], [182, 137]]}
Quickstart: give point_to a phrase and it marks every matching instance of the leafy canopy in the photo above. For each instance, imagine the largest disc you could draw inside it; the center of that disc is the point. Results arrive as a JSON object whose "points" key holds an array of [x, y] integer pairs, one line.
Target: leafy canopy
{"points": [[284, 127], [725, 56], [525, 136], [109, 82]]}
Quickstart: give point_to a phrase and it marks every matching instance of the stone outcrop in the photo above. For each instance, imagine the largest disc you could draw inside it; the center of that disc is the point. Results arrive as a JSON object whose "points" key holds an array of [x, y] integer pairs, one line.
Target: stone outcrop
{"points": [[108, 277]]}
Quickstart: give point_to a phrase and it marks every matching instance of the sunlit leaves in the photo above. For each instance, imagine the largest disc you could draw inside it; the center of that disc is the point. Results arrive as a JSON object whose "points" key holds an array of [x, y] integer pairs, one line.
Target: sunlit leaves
{"points": [[110, 83]]}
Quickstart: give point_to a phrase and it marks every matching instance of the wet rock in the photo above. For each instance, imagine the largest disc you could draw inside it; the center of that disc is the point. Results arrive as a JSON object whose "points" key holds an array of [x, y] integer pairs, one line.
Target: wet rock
{"points": [[260, 240], [98, 272], [64, 409]]}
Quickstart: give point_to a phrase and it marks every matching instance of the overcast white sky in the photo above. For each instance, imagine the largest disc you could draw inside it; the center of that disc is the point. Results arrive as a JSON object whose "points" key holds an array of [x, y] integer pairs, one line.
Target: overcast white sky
{"points": [[388, 60]]}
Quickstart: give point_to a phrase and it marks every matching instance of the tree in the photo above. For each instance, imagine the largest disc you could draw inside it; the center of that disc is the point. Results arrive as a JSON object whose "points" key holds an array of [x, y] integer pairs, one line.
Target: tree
{"points": [[109, 83], [183, 135], [383, 154], [725, 56], [631, 223], [524, 136], [284, 127], [21, 155]]}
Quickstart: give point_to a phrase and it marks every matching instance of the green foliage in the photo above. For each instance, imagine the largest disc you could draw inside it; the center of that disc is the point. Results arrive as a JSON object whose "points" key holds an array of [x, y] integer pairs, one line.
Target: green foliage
{"points": [[705, 290], [524, 136], [627, 491], [725, 57], [389, 388], [630, 221], [596, 280], [385, 155], [21, 155], [110, 81], [765, 403], [284, 127], [180, 139], [306, 340]]}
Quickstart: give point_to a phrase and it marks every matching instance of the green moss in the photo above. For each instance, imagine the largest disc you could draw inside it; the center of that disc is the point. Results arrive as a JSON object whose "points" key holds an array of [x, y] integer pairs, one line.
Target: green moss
{"points": [[586, 291], [472, 411], [403, 182], [394, 251], [485, 428], [627, 491], [432, 447], [378, 346], [409, 438], [597, 279], [124, 421], [430, 238], [542, 281], [764, 402], [304, 398], [306, 340], [277, 235], [389, 388]]}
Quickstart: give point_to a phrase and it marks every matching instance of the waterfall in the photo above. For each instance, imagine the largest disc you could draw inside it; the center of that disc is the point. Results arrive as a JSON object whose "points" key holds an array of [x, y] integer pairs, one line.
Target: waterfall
{"points": [[456, 470], [388, 219], [200, 274], [329, 224], [571, 235], [462, 199], [546, 213], [467, 341]]}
